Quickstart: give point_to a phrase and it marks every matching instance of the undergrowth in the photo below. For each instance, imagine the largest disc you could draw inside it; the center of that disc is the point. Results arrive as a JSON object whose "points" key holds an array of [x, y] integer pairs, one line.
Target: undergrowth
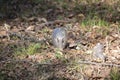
{"points": [[30, 50], [115, 74], [95, 21]]}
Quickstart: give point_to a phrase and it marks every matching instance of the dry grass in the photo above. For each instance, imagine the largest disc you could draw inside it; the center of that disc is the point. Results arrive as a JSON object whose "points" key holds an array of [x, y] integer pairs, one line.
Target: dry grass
{"points": [[92, 22]]}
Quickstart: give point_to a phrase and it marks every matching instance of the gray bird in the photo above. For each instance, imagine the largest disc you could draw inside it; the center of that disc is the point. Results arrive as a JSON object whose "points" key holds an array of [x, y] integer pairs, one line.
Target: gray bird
{"points": [[59, 38], [98, 51]]}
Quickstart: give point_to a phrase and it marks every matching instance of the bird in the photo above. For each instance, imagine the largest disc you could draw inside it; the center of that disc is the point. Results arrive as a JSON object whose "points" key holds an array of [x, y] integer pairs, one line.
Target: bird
{"points": [[59, 38], [98, 51]]}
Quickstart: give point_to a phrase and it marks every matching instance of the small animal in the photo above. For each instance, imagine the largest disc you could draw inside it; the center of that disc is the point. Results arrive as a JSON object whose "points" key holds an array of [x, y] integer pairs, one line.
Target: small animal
{"points": [[59, 38], [98, 51]]}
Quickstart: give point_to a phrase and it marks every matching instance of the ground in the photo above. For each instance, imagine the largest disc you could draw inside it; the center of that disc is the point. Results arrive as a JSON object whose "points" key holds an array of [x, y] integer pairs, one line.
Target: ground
{"points": [[27, 52]]}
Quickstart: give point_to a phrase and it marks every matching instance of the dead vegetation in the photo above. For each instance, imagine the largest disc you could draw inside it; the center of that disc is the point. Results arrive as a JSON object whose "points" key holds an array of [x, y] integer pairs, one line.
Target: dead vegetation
{"points": [[26, 51]]}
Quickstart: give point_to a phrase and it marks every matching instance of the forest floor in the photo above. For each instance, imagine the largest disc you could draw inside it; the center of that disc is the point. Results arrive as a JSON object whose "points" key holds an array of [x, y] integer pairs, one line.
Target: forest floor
{"points": [[27, 52]]}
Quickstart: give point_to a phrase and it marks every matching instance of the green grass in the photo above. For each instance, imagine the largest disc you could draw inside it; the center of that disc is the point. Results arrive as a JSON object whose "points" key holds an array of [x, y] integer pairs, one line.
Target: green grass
{"points": [[100, 26], [58, 54], [45, 30], [30, 50], [115, 74], [95, 21]]}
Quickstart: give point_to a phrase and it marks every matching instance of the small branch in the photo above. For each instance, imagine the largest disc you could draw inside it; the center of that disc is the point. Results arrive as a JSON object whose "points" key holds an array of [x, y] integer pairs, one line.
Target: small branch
{"points": [[80, 62], [26, 61], [102, 64], [23, 37], [52, 23], [7, 30]]}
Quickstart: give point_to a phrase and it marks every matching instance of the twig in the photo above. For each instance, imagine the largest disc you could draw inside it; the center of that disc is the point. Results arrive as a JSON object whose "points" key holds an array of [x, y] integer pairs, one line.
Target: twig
{"points": [[23, 37], [102, 64], [27, 61], [80, 62], [7, 30], [51, 23]]}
